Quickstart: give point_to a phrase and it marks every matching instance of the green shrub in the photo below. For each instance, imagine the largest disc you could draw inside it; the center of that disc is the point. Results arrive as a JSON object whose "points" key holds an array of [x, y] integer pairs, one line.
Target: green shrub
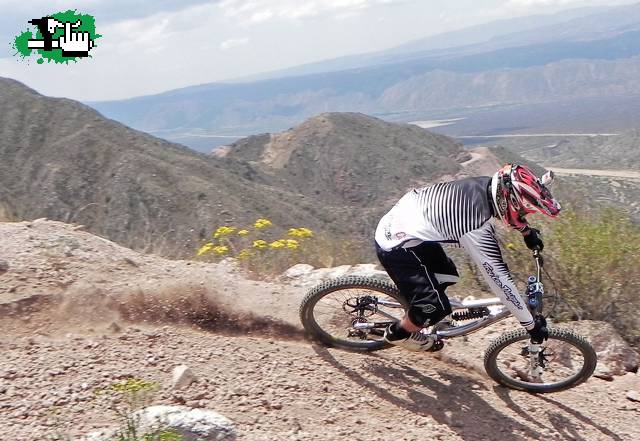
{"points": [[130, 396], [594, 260]]}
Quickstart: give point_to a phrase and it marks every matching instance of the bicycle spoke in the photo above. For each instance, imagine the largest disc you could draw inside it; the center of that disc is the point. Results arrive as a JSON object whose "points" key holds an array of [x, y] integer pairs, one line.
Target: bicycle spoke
{"points": [[337, 311], [559, 361]]}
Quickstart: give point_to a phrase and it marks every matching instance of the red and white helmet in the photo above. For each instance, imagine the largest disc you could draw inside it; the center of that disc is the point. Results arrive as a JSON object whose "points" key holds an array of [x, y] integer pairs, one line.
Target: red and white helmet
{"points": [[517, 192]]}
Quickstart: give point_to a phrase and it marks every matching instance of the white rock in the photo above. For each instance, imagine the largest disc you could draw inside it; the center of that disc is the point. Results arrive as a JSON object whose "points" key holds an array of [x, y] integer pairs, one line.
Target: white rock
{"points": [[192, 424], [299, 270], [366, 270], [338, 271], [633, 395], [182, 377], [305, 275]]}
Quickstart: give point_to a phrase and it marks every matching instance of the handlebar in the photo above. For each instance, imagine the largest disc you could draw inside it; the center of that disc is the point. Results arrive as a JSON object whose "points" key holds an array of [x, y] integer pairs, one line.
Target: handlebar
{"points": [[539, 261]]}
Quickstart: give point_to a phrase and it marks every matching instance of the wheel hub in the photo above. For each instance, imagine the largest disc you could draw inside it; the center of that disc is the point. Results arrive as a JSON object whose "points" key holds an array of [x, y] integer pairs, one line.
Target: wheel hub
{"points": [[361, 306]]}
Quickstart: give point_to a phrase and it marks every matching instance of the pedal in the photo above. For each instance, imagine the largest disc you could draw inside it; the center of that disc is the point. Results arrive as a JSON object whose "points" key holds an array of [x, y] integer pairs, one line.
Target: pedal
{"points": [[437, 346]]}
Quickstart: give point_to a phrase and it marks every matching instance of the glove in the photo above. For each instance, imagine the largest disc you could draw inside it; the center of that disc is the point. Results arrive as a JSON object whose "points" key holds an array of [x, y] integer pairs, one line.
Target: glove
{"points": [[532, 239], [539, 333]]}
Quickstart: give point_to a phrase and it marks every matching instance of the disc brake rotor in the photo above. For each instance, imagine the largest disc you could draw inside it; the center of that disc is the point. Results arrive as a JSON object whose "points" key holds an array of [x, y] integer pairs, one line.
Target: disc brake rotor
{"points": [[360, 306]]}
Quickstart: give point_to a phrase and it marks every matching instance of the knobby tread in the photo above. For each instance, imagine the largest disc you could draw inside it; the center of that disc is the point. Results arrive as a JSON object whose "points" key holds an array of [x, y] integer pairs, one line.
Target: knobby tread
{"points": [[345, 282], [521, 334]]}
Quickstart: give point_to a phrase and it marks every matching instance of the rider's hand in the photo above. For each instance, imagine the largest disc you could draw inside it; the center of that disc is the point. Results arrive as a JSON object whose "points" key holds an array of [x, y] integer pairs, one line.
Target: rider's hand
{"points": [[539, 333], [532, 239]]}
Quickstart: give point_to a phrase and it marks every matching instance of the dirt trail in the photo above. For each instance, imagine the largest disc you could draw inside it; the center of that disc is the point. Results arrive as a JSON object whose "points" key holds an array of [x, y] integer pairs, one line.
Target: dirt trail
{"points": [[281, 389], [58, 350]]}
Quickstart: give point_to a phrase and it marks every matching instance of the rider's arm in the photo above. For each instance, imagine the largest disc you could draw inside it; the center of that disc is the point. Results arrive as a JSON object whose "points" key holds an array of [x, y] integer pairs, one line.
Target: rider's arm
{"points": [[482, 246]]}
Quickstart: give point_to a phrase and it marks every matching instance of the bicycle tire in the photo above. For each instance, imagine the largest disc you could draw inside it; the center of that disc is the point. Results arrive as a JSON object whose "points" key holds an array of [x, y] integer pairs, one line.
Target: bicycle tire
{"points": [[311, 299], [566, 335]]}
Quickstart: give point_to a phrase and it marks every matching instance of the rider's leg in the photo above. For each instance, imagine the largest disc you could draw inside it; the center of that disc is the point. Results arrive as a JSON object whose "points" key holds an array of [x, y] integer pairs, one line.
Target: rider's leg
{"points": [[411, 271]]}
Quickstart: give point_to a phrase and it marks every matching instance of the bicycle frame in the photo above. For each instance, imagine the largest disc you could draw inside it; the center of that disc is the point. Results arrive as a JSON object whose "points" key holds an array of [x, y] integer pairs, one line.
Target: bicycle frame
{"points": [[499, 311], [457, 331]]}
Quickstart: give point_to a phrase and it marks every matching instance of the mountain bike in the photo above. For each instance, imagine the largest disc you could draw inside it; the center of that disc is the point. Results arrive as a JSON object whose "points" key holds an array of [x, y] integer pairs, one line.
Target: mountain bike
{"points": [[353, 312]]}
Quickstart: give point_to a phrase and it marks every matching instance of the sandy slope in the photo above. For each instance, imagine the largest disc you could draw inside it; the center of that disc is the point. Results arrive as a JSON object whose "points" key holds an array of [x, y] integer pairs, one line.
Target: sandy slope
{"points": [[57, 350]]}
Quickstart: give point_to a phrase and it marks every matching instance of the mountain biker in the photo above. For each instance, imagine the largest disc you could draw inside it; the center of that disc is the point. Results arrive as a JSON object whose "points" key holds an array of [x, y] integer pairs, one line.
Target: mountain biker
{"points": [[409, 237]]}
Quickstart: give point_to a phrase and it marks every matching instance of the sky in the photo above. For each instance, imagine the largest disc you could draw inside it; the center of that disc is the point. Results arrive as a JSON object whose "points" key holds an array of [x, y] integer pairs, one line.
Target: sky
{"points": [[153, 46]]}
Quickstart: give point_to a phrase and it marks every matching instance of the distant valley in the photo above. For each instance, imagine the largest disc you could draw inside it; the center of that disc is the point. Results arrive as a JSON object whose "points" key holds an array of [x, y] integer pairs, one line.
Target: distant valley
{"points": [[578, 72]]}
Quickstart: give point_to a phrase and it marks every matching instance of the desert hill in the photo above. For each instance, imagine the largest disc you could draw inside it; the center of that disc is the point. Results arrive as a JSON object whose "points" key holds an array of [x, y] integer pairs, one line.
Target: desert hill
{"points": [[335, 173], [351, 159], [63, 160], [110, 314]]}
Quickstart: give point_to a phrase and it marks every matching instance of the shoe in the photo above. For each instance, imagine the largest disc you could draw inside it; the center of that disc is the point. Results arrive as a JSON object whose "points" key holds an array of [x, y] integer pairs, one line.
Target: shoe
{"points": [[416, 341]]}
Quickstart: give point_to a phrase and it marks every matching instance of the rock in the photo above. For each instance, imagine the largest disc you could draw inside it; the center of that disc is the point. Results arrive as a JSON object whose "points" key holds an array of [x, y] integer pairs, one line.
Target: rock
{"points": [[366, 270], [191, 424], [182, 377], [306, 275], [633, 395], [615, 356], [603, 375], [114, 327], [299, 270]]}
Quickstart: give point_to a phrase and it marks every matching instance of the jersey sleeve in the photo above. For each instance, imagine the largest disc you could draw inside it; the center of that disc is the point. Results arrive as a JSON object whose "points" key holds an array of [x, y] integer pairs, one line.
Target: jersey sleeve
{"points": [[482, 246]]}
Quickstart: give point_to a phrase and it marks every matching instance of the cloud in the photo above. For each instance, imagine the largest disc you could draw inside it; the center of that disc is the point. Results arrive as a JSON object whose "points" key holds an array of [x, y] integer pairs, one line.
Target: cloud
{"points": [[16, 13], [510, 8], [258, 11], [553, 3], [527, 3], [233, 42]]}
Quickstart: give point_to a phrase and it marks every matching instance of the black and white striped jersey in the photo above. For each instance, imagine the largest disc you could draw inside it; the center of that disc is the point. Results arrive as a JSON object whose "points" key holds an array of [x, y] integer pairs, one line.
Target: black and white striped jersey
{"points": [[456, 212]]}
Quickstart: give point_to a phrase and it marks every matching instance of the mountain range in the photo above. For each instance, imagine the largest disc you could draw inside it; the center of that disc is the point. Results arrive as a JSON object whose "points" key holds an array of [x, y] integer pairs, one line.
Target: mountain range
{"points": [[498, 84], [335, 173], [64, 161]]}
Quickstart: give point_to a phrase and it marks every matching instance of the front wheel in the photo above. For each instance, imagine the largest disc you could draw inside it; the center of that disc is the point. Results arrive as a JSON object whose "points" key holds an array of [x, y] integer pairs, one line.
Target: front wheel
{"points": [[565, 360], [352, 312]]}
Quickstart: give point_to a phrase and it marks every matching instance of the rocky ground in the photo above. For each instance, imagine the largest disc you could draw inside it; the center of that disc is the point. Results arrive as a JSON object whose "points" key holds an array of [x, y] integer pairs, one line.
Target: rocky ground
{"points": [[78, 313]]}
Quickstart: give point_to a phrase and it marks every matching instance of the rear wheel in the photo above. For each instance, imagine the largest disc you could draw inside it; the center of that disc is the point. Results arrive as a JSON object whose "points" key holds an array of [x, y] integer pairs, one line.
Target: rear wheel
{"points": [[565, 360], [352, 312]]}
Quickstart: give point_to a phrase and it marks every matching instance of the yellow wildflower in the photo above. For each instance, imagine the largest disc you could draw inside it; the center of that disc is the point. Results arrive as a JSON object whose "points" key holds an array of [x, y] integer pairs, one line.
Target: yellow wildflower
{"points": [[244, 254], [511, 246], [292, 244], [220, 249], [223, 231], [243, 233], [205, 248], [259, 244], [262, 223], [278, 244], [300, 232]]}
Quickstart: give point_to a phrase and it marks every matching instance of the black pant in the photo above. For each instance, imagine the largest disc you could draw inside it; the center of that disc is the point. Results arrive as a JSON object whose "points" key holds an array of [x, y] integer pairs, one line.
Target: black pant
{"points": [[421, 273]]}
